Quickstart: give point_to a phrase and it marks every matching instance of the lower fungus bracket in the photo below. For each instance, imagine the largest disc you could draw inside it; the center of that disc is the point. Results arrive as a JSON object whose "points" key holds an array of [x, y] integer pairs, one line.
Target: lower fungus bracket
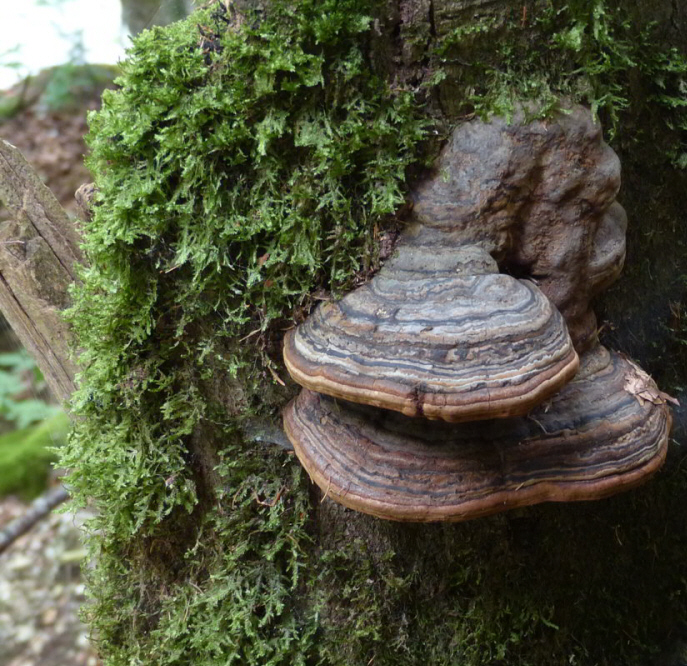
{"points": [[593, 440]]}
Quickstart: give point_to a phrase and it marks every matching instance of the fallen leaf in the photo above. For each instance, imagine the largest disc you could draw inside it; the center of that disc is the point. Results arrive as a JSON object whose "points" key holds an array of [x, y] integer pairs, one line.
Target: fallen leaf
{"points": [[639, 384]]}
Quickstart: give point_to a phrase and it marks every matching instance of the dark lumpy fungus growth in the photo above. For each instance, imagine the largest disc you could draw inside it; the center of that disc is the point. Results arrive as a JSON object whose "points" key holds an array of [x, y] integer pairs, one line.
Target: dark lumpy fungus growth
{"points": [[466, 377]]}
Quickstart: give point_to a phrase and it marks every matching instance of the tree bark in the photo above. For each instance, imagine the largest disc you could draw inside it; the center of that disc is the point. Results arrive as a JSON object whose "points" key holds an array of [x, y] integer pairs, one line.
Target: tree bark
{"points": [[142, 14]]}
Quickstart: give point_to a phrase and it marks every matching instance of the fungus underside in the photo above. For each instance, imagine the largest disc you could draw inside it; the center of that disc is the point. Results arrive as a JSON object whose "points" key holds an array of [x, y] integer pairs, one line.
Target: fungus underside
{"points": [[240, 169]]}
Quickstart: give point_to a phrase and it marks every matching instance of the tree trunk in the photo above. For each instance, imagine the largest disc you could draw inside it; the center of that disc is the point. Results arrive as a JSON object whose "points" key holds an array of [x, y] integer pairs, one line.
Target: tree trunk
{"points": [[261, 567], [144, 14]]}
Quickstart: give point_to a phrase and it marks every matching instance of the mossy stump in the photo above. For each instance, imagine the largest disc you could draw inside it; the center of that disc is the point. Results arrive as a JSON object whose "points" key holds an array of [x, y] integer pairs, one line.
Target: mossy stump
{"points": [[254, 160]]}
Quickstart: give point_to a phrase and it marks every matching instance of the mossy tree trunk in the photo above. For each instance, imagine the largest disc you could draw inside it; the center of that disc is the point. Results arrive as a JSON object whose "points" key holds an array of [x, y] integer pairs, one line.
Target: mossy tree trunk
{"points": [[527, 587], [213, 548]]}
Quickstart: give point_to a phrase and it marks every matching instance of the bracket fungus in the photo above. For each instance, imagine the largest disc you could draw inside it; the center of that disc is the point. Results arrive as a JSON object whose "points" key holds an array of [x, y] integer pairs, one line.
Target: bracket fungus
{"points": [[592, 439], [445, 387], [540, 198], [439, 333]]}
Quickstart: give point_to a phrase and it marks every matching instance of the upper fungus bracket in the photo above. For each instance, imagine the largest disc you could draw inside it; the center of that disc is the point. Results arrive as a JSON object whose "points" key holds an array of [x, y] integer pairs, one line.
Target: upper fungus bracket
{"points": [[540, 197], [438, 333]]}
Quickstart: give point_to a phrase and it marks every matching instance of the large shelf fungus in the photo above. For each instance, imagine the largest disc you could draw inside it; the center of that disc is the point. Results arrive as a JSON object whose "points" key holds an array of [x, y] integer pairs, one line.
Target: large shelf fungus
{"points": [[443, 388], [592, 439]]}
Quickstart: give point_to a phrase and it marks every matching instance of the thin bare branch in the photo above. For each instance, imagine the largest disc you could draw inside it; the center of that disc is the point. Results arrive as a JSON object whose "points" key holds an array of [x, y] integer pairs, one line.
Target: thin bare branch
{"points": [[39, 509]]}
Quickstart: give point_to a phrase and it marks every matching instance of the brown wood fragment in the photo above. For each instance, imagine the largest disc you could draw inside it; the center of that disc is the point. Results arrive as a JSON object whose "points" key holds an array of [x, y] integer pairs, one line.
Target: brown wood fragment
{"points": [[39, 250], [84, 198]]}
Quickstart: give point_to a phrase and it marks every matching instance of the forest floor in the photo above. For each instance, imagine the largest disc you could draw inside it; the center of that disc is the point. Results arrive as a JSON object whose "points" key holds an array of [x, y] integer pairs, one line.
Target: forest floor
{"points": [[41, 591]]}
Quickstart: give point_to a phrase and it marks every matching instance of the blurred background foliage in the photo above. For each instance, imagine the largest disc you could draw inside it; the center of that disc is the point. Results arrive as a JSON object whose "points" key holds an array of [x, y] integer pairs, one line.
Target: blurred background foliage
{"points": [[140, 14], [31, 424]]}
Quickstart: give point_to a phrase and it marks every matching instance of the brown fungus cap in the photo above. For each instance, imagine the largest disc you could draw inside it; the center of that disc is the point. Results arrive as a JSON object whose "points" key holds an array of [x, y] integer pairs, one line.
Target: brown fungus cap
{"points": [[604, 432], [437, 333]]}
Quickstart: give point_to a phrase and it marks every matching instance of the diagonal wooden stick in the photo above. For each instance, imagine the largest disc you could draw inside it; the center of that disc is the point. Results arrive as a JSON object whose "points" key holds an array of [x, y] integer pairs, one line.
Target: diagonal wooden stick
{"points": [[39, 508], [39, 250]]}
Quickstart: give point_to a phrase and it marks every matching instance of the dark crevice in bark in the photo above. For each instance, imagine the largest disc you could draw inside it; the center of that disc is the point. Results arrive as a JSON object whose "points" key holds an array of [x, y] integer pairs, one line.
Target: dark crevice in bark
{"points": [[396, 38], [432, 23], [675, 17]]}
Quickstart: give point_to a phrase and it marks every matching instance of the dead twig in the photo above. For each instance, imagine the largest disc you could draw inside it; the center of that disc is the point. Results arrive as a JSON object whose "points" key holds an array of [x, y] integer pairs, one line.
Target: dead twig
{"points": [[39, 509], [271, 503]]}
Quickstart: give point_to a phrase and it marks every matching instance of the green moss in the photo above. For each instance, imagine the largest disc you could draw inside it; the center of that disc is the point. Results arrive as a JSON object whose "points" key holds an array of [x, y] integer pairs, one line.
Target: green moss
{"points": [[591, 52], [239, 169], [243, 165], [230, 599]]}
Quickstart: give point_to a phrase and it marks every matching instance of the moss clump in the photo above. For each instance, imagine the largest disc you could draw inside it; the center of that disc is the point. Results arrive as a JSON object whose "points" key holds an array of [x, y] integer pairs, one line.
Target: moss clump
{"points": [[244, 162], [593, 52], [230, 600], [238, 170]]}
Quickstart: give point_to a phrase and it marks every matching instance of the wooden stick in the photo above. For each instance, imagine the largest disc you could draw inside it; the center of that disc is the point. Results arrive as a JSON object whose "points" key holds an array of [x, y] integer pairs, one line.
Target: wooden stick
{"points": [[39, 509], [39, 250]]}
